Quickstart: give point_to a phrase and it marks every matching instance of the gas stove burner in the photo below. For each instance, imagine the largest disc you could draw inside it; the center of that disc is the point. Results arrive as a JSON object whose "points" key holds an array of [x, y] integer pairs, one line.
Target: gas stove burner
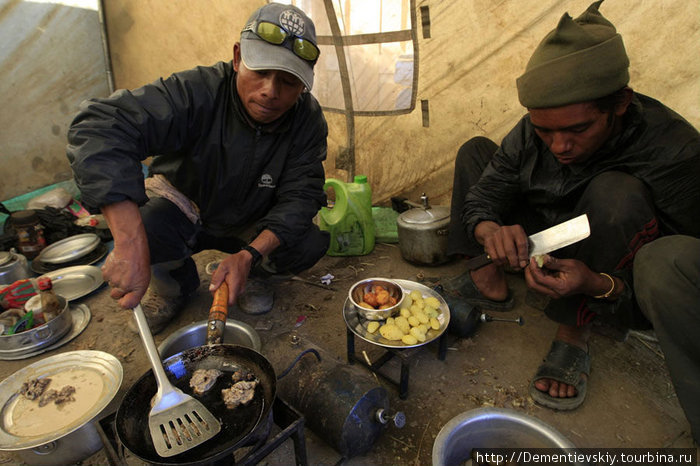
{"points": [[259, 444]]}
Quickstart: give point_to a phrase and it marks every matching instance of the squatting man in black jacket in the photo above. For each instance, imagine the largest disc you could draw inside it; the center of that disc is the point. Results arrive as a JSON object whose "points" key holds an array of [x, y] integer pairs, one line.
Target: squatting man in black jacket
{"points": [[588, 144], [237, 153]]}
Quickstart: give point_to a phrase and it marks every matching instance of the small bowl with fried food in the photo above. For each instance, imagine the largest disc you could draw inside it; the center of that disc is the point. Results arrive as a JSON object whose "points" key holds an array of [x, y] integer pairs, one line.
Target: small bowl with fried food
{"points": [[376, 298]]}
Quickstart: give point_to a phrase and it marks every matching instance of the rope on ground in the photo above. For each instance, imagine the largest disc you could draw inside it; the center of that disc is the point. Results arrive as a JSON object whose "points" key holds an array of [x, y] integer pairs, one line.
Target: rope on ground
{"points": [[420, 445], [653, 350]]}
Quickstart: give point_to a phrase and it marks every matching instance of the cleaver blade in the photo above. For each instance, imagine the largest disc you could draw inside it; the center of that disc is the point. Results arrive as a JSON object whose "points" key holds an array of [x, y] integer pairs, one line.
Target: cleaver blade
{"points": [[559, 236], [548, 240]]}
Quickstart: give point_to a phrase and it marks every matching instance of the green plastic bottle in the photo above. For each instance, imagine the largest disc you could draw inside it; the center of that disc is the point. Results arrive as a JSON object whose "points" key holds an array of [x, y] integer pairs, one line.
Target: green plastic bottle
{"points": [[349, 221]]}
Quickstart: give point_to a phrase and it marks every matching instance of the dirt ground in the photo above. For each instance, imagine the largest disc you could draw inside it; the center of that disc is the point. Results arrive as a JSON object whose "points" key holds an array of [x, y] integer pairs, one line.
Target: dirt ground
{"points": [[630, 401]]}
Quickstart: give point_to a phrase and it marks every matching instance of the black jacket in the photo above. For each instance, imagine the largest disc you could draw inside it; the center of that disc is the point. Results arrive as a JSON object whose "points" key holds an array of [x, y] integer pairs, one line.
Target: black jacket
{"points": [[195, 127], [656, 146]]}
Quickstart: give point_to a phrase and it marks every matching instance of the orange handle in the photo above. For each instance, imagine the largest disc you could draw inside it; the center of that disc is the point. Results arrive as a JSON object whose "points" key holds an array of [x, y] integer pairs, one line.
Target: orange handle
{"points": [[219, 307]]}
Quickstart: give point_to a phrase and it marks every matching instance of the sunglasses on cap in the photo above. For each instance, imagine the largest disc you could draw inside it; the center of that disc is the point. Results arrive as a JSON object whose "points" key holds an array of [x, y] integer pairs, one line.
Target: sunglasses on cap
{"points": [[277, 35]]}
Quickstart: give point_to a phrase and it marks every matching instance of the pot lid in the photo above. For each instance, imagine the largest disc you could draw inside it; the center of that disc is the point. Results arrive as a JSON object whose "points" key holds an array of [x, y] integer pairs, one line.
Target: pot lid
{"points": [[425, 216], [69, 249], [5, 257]]}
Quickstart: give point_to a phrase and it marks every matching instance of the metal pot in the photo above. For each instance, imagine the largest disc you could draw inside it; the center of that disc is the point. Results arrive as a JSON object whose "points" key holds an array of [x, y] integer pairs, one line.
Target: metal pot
{"points": [[29, 341], [423, 233], [13, 267], [492, 428], [74, 447], [190, 336]]}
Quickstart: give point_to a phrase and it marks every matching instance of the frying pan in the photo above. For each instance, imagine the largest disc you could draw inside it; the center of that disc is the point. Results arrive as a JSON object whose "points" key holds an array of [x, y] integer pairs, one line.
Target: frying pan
{"points": [[131, 421]]}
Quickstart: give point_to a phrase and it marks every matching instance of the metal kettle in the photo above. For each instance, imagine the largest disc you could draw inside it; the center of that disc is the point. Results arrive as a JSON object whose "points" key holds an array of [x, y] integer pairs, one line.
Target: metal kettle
{"points": [[13, 267], [423, 232]]}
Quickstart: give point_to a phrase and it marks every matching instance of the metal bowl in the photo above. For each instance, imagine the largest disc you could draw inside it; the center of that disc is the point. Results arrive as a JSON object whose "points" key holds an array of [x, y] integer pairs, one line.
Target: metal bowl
{"points": [[236, 332], [34, 339], [358, 290], [493, 428]]}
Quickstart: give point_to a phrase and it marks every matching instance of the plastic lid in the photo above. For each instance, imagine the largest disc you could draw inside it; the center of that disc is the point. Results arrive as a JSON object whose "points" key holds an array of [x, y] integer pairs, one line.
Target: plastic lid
{"points": [[360, 179], [425, 216], [24, 217]]}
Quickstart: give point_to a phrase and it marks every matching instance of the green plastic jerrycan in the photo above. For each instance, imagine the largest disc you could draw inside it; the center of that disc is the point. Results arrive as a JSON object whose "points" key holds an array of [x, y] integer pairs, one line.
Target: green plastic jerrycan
{"points": [[349, 221]]}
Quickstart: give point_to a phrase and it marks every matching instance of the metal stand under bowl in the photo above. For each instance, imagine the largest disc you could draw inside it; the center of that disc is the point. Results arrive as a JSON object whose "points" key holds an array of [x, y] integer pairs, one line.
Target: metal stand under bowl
{"points": [[405, 355]]}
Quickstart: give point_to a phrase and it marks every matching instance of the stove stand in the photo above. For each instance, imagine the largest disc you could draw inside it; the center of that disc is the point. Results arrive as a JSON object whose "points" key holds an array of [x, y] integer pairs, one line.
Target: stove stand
{"points": [[288, 419], [404, 354]]}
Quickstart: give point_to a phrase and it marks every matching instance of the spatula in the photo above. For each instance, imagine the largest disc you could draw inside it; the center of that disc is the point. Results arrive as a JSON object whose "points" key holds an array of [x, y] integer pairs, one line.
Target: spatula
{"points": [[177, 421]]}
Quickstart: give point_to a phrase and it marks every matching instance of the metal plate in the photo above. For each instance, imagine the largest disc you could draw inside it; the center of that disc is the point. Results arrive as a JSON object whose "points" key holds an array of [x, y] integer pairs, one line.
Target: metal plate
{"points": [[107, 368], [40, 267], [358, 325], [81, 318], [76, 282], [69, 249]]}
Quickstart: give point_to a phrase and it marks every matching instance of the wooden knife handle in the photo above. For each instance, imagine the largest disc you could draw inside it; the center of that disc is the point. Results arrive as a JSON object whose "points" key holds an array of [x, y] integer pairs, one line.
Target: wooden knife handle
{"points": [[218, 312], [478, 262]]}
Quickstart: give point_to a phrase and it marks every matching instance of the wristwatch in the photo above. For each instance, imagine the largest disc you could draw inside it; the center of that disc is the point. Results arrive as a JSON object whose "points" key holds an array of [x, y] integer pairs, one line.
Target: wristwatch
{"points": [[257, 257]]}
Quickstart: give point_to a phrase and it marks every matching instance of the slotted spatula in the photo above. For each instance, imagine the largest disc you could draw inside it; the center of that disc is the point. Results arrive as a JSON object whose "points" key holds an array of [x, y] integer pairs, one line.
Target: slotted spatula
{"points": [[177, 421]]}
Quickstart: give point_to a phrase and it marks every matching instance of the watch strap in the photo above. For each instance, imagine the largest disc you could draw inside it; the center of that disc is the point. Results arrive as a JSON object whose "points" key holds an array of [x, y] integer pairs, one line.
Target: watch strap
{"points": [[257, 257]]}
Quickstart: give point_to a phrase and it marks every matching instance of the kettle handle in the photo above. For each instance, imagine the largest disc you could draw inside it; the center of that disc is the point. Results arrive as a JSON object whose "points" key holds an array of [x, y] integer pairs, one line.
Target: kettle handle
{"points": [[425, 204]]}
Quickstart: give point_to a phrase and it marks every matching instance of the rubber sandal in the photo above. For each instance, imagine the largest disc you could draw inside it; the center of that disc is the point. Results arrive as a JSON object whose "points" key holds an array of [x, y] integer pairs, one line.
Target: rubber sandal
{"points": [[564, 363], [464, 287]]}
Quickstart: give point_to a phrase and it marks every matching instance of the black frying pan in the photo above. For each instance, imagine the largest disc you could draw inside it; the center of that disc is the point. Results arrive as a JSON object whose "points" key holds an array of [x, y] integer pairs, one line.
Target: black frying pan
{"points": [[131, 422]]}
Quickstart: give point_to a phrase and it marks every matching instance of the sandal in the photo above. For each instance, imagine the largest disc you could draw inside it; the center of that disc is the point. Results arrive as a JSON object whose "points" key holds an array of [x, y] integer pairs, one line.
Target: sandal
{"points": [[464, 287], [564, 363]]}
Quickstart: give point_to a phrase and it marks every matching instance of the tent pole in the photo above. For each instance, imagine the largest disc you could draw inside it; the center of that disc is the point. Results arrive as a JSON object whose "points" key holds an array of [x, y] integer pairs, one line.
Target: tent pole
{"points": [[349, 159]]}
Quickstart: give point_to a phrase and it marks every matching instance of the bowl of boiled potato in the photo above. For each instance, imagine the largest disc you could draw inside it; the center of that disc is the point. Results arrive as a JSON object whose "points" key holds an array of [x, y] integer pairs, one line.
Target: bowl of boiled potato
{"points": [[376, 298]]}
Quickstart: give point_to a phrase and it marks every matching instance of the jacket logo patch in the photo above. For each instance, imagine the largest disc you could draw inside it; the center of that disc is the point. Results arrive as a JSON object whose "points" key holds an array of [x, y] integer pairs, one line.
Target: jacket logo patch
{"points": [[266, 181]]}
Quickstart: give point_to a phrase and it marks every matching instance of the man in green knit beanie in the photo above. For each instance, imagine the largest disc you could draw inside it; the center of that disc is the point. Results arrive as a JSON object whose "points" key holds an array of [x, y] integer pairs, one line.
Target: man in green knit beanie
{"points": [[588, 145]]}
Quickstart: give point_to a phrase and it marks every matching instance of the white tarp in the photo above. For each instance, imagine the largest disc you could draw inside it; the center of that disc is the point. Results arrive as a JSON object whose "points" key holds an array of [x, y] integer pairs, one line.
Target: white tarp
{"points": [[51, 58], [467, 54]]}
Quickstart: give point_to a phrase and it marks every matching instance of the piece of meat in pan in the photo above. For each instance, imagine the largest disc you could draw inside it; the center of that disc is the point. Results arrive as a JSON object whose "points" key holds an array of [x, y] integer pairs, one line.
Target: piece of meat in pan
{"points": [[203, 379], [240, 393], [239, 375]]}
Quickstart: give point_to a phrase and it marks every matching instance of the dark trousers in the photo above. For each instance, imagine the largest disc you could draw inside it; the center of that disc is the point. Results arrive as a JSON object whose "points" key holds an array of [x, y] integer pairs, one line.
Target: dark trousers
{"points": [[622, 219], [173, 237], [667, 285]]}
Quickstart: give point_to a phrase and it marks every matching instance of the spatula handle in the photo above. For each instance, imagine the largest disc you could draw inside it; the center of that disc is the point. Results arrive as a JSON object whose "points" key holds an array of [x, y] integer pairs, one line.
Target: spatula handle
{"points": [[149, 344]]}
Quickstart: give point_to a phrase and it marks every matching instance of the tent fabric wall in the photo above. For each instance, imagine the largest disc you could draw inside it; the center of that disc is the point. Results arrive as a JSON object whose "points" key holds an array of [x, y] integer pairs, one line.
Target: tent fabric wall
{"points": [[51, 59], [467, 72]]}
